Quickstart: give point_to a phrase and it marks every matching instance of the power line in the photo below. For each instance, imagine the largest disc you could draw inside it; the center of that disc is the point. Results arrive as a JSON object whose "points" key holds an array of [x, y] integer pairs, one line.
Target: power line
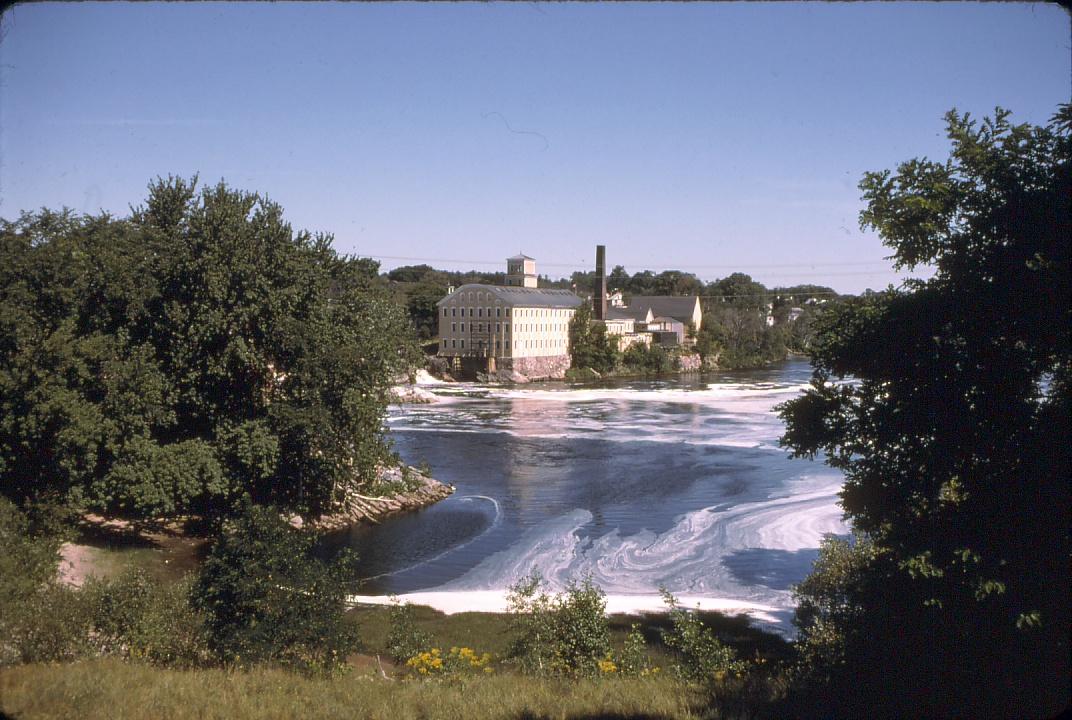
{"points": [[810, 265]]}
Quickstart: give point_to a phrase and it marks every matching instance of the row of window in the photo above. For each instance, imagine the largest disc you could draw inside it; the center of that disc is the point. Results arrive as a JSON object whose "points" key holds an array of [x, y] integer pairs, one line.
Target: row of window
{"points": [[479, 312], [527, 344], [521, 327], [521, 312]]}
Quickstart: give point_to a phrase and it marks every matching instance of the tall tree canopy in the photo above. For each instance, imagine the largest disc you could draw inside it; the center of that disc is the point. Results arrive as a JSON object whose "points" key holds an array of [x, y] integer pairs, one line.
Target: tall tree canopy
{"points": [[188, 355], [953, 435]]}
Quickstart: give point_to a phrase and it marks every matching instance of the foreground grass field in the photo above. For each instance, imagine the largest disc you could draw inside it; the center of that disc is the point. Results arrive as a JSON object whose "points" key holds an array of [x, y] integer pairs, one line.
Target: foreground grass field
{"points": [[370, 685], [115, 690]]}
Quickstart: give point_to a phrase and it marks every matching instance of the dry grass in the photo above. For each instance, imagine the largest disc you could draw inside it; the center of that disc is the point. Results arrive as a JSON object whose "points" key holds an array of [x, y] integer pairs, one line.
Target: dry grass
{"points": [[114, 690]]}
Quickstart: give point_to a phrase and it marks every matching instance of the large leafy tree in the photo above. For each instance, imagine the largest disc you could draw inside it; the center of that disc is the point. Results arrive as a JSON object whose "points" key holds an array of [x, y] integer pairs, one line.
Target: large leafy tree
{"points": [[947, 406], [590, 346], [195, 352]]}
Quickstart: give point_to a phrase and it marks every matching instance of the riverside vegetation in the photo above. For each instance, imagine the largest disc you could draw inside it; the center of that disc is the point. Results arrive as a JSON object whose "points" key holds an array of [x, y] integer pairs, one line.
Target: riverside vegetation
{"points": [[736, 333], [140, 390]]}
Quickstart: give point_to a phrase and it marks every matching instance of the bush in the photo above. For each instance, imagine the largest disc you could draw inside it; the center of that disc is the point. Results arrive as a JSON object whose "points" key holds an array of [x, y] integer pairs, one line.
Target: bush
{"points": [[703, 658], [651, 360], [267, 598], [136, 617], [563, 634], [405, 640], [40, 620], [634, 656]]}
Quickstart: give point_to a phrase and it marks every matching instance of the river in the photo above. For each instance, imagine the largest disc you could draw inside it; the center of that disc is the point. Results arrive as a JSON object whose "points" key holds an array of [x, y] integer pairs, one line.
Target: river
{"points": [[675, 483]]}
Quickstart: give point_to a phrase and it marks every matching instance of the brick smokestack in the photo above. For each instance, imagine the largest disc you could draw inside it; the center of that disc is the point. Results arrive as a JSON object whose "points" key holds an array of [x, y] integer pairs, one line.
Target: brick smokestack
{"points": [[599, 291]]}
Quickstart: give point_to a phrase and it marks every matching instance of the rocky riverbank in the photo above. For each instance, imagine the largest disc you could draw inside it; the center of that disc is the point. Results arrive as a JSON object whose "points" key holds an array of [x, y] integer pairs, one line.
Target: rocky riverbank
{"points": [[418, 491]]}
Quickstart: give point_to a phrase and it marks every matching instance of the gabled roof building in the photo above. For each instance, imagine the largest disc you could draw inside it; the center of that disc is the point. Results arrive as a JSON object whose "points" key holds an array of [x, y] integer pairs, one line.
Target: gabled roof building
{"points": [[683, 309], [517, 327]]}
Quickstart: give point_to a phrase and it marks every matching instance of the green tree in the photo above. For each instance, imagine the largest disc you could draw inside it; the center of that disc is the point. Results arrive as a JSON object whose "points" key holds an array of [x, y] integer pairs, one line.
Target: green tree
{"points": [[590, 346], [677, 283], [267, 598], [195, 352], [953, 437], [618, 279], [649, 359]]}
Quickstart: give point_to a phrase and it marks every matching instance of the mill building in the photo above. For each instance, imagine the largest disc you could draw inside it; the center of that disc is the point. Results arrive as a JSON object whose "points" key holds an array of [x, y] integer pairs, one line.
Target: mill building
{"points": [[516, 327]]}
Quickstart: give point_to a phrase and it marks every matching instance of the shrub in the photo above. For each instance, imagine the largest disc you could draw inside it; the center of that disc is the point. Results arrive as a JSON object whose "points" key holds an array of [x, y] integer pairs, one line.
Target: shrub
{"points": [[651, 360], [566, 634], [136, 617], [405, 640], [634, 657], [267, 598], [703, 657], [40, 620]]}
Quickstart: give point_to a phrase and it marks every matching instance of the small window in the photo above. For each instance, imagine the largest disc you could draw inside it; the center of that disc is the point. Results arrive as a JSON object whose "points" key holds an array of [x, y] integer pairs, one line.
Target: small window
{"points": [[453, 311], [463, 327], [463, 343], [470, 312], [498, 345], [454, 327], [452, 343], [498, 327], [444, 342], [498, 312], [480, 312]]}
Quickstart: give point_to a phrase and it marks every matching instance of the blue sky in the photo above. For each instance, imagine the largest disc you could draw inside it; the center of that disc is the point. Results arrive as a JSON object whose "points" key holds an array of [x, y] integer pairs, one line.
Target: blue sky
{"points": [[710, 138]]}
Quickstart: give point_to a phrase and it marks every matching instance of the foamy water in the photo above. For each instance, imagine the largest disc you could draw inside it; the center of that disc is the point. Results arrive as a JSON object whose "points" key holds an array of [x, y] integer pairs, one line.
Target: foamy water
{"points": [[677, 484]]}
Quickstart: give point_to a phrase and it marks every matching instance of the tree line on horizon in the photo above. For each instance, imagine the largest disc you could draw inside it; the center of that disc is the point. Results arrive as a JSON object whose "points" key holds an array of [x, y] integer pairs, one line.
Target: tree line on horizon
{"points": [[735, 332]]}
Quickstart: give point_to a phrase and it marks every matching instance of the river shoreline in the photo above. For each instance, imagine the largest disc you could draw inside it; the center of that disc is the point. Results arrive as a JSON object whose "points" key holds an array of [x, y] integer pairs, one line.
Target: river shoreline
{"points": [[358, 508], [170, 548]]}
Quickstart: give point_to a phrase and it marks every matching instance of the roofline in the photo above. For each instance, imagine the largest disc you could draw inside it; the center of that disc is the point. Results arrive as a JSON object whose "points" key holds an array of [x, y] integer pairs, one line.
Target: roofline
{"points": [[518, 292]]}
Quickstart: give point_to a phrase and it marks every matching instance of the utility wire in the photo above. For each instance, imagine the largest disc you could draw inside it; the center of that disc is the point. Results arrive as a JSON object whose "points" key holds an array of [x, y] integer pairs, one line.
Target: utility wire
{"points": [[586, 268]]}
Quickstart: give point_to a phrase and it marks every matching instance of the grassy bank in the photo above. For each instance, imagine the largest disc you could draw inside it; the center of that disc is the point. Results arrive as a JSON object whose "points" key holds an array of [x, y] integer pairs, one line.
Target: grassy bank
{"points": [[491, 632], [114, 690], [370, 686]]}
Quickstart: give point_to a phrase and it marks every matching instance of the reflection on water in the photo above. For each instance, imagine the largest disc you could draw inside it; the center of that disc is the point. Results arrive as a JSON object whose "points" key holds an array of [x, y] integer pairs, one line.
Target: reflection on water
{"points": [[679, 483]]}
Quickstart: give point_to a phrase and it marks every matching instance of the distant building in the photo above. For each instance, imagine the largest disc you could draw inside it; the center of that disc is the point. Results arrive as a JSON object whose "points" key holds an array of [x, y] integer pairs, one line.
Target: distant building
{"points": [[660, 318], [686, 310], [521, 272], [667, 331], [516, 327], [622, 327]]}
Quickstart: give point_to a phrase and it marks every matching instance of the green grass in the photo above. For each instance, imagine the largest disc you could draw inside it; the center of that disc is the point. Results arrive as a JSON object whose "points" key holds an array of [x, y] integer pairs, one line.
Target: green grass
{"points": [[490, 632], [114, 690], [111, 688]]}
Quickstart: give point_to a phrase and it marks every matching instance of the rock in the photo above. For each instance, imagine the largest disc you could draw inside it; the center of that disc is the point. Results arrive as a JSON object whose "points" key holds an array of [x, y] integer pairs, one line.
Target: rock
{"points": [[372, 510], [411, 394]]}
